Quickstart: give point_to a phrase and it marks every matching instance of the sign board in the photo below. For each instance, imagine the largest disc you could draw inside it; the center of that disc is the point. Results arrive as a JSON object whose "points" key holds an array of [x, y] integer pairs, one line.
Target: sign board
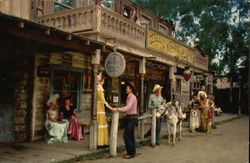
{"points": [[115, 99], [43, 71], [169, 46], [185, 87], [115, 64]]}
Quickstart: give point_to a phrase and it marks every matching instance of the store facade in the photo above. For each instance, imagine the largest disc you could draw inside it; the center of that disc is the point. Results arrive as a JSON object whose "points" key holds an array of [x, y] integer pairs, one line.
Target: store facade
{"points": [[84, 37]]}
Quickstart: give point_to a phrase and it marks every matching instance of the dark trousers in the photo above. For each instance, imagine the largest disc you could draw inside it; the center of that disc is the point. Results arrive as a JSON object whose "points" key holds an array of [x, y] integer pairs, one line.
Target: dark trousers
{"points": [[129, 136], [158, 130]]}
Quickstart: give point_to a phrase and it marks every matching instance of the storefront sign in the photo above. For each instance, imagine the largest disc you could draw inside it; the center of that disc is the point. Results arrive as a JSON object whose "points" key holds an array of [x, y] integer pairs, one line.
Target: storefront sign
{"points": [[67, 59], [43, 71], [115, 64], [185, 87], [166, 45]]}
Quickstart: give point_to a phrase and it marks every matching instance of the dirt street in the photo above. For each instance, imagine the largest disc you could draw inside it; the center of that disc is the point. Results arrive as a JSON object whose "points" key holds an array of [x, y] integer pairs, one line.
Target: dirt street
{"points": [[229, 143]]}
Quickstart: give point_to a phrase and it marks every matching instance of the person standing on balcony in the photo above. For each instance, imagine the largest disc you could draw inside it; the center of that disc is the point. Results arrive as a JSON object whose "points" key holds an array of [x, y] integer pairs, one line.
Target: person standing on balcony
{"points": [[103, 136], [155, 100], [131, 119]]}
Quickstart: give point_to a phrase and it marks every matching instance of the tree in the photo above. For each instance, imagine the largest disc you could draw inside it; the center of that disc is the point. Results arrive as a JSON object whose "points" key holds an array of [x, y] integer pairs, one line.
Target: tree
{"points": [[220, 25]]}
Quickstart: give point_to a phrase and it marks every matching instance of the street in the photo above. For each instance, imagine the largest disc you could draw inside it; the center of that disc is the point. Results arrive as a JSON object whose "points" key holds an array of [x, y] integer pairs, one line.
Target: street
{"points": [[229, 143]]}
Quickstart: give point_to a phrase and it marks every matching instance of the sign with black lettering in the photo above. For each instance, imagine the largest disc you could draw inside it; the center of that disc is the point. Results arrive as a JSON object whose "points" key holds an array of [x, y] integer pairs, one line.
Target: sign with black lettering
{"points": [[115, 64]]}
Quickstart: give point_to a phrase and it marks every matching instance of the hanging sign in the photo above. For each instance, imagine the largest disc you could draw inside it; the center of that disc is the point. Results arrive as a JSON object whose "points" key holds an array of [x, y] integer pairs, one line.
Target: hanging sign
{"points": [[115, 64]]}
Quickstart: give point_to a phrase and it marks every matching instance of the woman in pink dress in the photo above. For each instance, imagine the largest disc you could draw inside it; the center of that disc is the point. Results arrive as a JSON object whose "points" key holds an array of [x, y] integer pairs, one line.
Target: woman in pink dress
{"points": [[68, 112]]}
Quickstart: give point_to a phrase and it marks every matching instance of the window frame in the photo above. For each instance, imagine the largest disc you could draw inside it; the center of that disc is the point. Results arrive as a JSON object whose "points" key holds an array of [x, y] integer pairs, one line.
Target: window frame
{"points": [[67, 7], [79, 82], [178, 86]]}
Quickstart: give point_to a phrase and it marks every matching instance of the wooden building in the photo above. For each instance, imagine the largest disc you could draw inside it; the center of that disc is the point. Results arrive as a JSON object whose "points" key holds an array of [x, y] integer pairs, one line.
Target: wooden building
{"points": [[59, 48]]}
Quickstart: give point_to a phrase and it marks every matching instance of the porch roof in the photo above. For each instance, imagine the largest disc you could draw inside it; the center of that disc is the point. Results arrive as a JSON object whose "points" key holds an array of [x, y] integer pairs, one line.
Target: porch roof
{"points": [[19, 27]]}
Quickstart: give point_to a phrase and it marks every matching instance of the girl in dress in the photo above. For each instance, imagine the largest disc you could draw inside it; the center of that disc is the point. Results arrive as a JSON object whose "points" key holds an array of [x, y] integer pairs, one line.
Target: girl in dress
{"points": [[57, 130], [67, 111]]}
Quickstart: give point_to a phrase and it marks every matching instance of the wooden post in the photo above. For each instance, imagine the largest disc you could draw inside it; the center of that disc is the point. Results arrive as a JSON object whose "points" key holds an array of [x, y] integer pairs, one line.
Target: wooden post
{"points": [[95, 61], [93, 135], [94, 93], [114, 133], [142, 94], [142, 128], [142, 71], [153, 127]]}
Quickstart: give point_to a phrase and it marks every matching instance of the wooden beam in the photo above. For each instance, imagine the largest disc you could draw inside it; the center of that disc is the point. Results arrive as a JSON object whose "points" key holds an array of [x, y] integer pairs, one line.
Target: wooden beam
{"points": [[47, 31], [69, 37], [20, 24], [54, 38]]}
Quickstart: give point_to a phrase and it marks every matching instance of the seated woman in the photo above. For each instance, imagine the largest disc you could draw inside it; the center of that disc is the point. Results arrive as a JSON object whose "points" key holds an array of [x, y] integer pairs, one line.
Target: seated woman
{"points": [[68, 112], [57, 130]]}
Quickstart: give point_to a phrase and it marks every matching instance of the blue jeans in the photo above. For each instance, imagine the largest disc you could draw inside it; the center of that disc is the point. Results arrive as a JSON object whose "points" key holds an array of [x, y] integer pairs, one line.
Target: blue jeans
{"points": [[158, 129], [129, 136]]}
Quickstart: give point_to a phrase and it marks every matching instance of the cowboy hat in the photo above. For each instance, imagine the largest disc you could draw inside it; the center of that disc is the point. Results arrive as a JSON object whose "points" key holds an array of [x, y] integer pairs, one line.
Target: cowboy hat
{"points": [[157, 86]]}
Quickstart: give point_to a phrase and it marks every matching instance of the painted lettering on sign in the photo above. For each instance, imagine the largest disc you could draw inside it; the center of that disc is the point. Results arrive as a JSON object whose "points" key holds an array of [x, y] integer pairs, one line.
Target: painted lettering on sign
{"points": [[185, 87], [115, 64], [163, 44]]}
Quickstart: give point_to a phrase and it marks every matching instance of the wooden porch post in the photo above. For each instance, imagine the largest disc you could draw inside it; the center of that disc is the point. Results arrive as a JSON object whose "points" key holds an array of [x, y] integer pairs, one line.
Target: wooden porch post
{"points": [[172, 70], [114, 133], [142, 71], [153, 127], [95, 61]]}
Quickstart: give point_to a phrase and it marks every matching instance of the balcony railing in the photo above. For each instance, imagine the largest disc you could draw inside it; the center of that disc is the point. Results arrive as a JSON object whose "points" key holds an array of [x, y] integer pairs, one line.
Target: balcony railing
{"points": [[97, 19]]}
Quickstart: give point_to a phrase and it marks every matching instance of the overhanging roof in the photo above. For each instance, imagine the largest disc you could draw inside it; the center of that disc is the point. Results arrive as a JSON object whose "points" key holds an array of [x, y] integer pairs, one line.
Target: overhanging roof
{"points": [[16, 26]]}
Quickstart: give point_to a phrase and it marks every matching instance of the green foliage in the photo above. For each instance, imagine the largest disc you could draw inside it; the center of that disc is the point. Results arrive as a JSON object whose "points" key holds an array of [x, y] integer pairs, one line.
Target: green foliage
{"points": [[221, 26], [58, 7]]}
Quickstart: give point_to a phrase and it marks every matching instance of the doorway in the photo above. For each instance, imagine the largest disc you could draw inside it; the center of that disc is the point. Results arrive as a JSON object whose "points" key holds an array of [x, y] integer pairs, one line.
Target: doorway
{"points": [[7, 89]]}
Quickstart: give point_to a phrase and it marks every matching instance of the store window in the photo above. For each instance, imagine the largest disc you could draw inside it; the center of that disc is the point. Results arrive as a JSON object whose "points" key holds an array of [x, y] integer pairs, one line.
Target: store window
{"points": [[108, 4], [209, 89], [163, 28], [146, 20], [60, 5], [127, 12], [178, 85], [67, 83]]}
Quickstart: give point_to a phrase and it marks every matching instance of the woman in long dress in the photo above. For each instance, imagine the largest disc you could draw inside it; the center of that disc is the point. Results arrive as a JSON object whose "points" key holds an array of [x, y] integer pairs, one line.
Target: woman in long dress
{"points": [[68, 112], [57, 130], [103, 135]]}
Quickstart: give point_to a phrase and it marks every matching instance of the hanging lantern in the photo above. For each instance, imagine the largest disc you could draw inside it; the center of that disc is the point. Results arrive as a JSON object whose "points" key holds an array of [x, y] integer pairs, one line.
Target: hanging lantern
{"points": [[187, 74]]}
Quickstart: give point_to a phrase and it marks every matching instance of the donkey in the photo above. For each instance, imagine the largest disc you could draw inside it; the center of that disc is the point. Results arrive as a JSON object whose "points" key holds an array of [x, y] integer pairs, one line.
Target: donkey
{"points": [[173, 112]]}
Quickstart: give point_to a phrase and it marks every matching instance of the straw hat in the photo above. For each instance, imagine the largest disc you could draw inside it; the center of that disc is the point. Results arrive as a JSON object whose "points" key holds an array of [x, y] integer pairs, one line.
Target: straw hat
{"points": [[53, 98], [157, 86]]}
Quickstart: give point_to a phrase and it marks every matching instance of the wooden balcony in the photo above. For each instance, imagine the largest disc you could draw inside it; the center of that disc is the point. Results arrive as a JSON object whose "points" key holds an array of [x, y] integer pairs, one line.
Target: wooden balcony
{"points": [[97, 19]]}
